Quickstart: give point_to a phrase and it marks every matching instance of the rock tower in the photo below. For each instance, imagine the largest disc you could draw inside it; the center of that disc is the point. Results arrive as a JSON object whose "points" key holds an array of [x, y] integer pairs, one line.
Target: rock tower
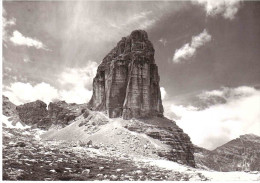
{"points": [[127, 80]]}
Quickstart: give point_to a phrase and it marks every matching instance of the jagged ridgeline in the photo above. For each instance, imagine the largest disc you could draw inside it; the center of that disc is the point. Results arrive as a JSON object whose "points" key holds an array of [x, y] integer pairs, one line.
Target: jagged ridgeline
{"points": [[127, 80]]}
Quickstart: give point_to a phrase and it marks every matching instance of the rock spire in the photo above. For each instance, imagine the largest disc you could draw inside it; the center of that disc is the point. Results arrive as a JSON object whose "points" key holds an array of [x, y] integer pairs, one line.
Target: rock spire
{"points": [[127, 80]]}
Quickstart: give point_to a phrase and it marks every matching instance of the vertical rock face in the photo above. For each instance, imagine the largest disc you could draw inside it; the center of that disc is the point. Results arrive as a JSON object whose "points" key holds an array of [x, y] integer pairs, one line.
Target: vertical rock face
{"points": [[127, 80]]}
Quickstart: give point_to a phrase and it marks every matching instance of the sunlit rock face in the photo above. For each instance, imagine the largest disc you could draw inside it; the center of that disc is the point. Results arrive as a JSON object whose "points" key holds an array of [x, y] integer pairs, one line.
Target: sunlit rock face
{"points": [[127, 80]]}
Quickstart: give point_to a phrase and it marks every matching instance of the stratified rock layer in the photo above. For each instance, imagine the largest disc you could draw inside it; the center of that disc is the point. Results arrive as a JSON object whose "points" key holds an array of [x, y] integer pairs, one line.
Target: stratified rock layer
{"points": [[127, 80], [240, 154], [181, 149]]}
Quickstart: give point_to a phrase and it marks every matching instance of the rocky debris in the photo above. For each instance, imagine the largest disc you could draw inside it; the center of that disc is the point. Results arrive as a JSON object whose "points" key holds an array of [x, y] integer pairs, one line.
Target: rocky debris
{"points": [[35, 114], [127, 80], [181, 149], [61, 113], [93, 120], [20, 144], [59, 160], [154, 137], [241, 154]]}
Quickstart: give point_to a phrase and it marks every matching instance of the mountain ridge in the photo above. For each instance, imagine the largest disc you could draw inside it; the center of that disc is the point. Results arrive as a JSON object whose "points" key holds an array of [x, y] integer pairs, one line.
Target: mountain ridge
{"points": [[240, 154]]}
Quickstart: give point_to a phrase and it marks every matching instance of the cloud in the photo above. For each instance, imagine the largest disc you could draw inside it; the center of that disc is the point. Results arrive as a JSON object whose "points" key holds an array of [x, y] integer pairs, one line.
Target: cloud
{"points": [[78, 83], [76, 87], [189, 49], [226, 8], [163, 93], [20, 93], [18, 39], [220, 122], [79, 77], [5, 24]]}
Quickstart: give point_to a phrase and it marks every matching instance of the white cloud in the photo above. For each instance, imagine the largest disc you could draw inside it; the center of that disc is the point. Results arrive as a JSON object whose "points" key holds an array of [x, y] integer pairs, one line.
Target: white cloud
{"points": [[220, 123], [20, 93], [76, 95], [228, 93], [189, 49], [226, 8], [163, 93], [76, 87], [19, 39], [79, 81], [79, 77]]}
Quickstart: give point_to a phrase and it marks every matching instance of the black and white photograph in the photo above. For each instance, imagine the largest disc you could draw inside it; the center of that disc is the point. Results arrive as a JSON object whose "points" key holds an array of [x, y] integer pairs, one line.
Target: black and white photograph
{"points": [[116, 90]]}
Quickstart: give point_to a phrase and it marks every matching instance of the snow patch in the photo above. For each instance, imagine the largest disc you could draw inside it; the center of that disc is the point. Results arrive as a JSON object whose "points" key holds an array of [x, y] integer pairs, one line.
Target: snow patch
{"points": [[9, 124]]}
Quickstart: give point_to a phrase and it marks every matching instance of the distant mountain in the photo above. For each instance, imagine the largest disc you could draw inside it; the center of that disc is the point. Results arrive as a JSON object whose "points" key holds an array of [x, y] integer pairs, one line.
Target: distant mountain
{"points": [[240, 154], [58, 113], [8, 107]]}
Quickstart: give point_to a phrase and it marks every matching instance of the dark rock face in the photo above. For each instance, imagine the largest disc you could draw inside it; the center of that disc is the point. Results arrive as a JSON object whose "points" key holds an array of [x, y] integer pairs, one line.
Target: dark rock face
{"points": [[34, 113], [61, 113], [181, 149], [58, 113], [241, 154], [127, 80]]}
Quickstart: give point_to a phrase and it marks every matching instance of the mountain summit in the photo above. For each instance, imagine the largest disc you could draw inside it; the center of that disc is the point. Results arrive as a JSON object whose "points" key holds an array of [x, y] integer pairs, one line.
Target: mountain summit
{"points": [[127, 80]]}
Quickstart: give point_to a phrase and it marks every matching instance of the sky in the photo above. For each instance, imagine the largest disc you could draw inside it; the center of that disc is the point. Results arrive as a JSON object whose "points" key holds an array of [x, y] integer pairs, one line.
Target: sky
{"points": [[207, 54]]}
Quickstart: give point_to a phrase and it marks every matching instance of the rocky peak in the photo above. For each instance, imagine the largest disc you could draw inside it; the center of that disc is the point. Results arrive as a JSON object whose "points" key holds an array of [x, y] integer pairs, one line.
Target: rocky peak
{"points": [[58, 113], [34, 113], [250, 137], [61, 113], [127, 80], [8, 107], [240, 154]]}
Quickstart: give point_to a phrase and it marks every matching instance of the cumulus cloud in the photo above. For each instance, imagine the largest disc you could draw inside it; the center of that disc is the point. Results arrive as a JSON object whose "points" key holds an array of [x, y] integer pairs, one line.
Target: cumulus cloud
{"points": [[76, 87], [189, 49], [220, 122], [163, 92], [78, 83], [18, 39], [226, 8], [20, 93], [79, 77]]}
